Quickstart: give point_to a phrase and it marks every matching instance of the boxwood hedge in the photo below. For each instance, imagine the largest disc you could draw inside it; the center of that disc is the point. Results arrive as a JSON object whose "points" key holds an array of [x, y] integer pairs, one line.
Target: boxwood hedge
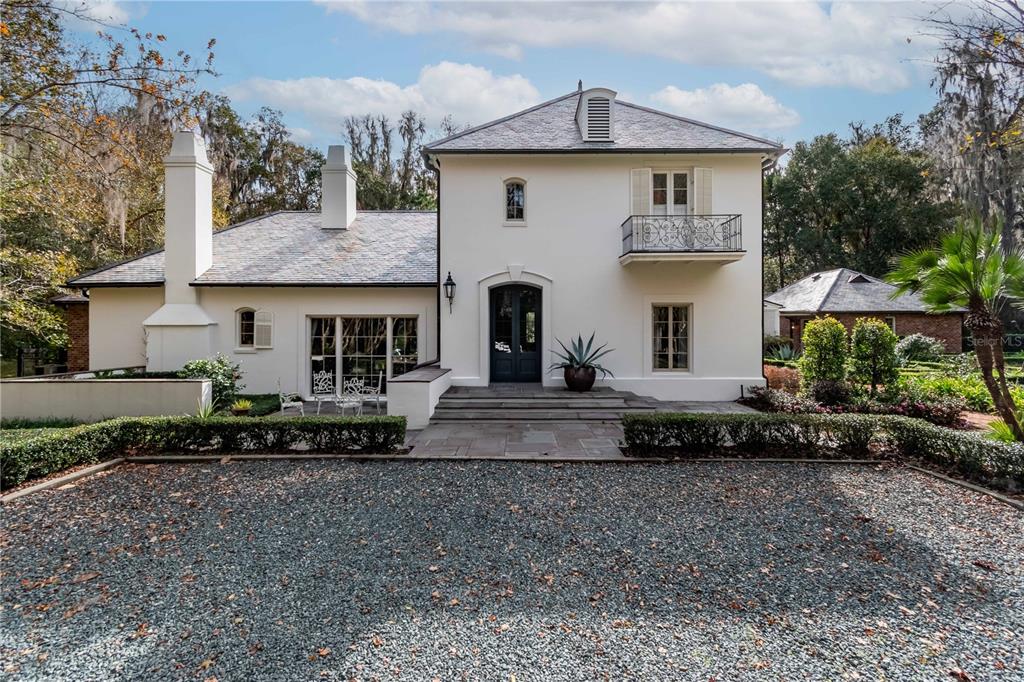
{"points": [[90, 443], [755, 434], [819, 436]]}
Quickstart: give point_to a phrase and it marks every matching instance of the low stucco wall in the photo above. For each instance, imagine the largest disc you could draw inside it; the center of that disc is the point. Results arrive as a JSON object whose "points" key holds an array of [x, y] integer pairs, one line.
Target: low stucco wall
{"points": [[91, 400], [415, 395]]}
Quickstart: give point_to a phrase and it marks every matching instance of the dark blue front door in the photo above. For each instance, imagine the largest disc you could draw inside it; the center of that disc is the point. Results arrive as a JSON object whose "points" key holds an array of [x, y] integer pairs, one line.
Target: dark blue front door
{"points": [[515, 333]]}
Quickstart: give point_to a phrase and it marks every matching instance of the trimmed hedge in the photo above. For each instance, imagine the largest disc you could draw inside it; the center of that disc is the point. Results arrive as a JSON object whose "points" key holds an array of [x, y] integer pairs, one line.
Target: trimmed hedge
{"points": [[52, 452], [823, 436], [969, 454], [688, 434]]}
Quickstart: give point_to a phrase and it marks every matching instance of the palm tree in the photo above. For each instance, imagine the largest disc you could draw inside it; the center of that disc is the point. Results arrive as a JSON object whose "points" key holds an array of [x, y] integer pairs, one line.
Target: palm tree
{"points": [[970, 270]]}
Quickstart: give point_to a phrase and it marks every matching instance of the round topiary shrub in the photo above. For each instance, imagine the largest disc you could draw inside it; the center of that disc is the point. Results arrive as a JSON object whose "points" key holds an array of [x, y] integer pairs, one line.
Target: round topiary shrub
{"points": [[918, 347], [825, 352]]}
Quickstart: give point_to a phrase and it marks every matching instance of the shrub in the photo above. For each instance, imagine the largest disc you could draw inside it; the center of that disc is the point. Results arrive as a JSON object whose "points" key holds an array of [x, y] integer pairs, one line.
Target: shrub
{"points": [[937, 410], [52, 452], [677, 435], [782, 379], [967, 387], [967, 453], [830, 393], [873, 352], [825, 350], [920, 348], [222, 374], [694, 435], [774, 400]]}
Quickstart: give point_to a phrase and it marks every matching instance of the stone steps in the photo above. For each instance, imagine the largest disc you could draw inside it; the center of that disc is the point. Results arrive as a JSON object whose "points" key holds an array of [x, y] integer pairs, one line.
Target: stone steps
{"points": [[535, 404]]}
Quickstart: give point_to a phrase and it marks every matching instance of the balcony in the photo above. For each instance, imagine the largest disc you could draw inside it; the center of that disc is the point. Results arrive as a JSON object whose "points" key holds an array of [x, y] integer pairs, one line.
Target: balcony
{"points": [[658, 238]]}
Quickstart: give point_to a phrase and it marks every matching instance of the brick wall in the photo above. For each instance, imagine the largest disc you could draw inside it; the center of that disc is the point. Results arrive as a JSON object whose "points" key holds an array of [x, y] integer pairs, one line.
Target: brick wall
{"points": [[77, 317], [946, 328]]}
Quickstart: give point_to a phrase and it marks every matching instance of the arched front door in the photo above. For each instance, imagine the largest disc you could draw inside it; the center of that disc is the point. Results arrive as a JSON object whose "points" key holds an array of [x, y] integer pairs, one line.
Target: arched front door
{"points": [[515, 333]]}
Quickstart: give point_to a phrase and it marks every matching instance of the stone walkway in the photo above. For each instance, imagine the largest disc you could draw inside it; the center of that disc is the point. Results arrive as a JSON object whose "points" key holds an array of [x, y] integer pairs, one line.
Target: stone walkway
{"points": [[528, 421], [519, 440]]}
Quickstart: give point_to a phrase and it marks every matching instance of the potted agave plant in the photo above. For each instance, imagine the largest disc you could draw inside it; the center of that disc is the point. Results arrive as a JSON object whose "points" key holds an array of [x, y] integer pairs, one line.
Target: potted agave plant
{"points": [[579, 364], [241, 407]]}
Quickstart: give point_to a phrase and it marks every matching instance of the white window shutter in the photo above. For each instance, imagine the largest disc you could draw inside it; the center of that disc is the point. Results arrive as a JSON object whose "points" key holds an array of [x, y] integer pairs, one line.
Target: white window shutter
{"points": [[264, 329], [640, 183], [702, 191]]}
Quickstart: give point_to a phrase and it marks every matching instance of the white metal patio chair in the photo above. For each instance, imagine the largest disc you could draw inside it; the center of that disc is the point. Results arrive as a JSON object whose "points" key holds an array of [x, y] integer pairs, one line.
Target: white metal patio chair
{"points": [[290, 400], [351, 395], [373, 393], [323, 388]]}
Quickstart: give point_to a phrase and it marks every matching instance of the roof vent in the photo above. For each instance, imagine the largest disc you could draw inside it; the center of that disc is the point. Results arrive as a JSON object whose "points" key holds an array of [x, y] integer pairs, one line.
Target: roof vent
{"points": [[595, 115], [859, 279]]}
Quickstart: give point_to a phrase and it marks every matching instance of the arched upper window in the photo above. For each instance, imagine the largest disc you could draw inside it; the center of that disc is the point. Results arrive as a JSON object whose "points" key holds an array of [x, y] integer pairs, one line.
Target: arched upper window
{"points": [[515, 200], [246, 328]]}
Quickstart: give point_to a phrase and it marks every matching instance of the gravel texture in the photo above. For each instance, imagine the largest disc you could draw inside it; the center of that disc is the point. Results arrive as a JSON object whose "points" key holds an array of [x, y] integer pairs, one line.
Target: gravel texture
{"points": [[282, 570]]}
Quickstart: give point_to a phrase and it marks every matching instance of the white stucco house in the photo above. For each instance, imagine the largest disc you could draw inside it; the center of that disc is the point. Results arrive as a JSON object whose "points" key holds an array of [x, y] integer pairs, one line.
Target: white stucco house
{"points": [[582, 214]]}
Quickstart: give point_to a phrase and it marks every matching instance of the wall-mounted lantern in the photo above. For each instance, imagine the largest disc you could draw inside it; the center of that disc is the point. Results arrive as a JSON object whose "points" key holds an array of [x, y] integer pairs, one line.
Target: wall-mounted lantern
{"points": [[449, 291]]}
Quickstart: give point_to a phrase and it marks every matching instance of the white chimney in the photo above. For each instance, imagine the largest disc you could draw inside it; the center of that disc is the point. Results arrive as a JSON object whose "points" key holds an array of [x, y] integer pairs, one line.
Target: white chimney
{"points": [[338, 203], [188, 216]]}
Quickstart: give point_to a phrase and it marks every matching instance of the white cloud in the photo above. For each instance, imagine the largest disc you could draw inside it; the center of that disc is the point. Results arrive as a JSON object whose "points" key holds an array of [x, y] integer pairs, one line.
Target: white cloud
{"points": [[109, 12], [804, 43], [471, 94], [744, 107]]}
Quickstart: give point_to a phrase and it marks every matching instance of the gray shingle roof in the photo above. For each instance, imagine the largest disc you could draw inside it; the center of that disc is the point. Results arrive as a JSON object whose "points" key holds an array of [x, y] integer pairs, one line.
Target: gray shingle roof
{"points": [[380, 248], [832, 291], [551, 127]]}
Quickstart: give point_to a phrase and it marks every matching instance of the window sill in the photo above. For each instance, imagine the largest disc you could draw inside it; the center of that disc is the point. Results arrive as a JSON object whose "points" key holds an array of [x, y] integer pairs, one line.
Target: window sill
{"points": [[245, 351], [514, 223]]}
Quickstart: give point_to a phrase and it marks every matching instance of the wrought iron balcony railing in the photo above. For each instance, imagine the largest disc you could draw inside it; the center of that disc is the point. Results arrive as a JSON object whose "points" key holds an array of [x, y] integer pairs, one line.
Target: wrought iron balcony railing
{"points": [[681, 233]]}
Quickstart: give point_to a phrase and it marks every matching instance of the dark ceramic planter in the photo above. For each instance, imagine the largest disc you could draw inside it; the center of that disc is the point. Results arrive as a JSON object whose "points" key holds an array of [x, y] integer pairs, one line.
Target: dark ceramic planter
{"points": [[240, 413], [580, 379]]}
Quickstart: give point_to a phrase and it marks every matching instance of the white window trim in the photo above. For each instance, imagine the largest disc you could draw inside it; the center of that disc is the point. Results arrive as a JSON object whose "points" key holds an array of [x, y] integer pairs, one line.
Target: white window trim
{"points": [[505, 221], [648, 336], [307, 370], [669, 189], [239, 348]]}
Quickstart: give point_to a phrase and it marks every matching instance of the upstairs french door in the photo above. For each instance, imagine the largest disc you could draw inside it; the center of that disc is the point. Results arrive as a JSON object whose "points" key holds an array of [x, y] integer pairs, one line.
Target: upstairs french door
{"points": [[670, 192], [373, 349]]}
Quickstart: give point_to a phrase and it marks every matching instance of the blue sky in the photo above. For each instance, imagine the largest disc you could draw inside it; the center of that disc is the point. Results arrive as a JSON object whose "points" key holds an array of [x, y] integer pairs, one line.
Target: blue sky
{"points": [[786, 70]]}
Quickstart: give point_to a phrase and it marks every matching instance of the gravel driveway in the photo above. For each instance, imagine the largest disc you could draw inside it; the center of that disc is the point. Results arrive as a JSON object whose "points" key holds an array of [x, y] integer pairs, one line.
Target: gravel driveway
{"points": [[501, 571]]}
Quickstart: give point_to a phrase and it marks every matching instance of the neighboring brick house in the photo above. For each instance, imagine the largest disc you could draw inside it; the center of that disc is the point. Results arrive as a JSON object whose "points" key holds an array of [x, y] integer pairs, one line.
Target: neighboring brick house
{"points": [[76, 315], [847, 295]]}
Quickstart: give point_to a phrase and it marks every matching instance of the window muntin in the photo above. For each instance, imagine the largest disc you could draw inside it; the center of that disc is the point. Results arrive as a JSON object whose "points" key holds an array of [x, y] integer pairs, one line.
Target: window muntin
{"points": [[404, 345], [357, 348], [515, 200], [670, 336], [246, 328], [670, 192]]}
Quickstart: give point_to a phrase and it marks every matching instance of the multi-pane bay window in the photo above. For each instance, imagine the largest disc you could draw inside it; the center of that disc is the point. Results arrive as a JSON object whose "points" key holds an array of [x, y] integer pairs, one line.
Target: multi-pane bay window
{"points": [[670, 334]]}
